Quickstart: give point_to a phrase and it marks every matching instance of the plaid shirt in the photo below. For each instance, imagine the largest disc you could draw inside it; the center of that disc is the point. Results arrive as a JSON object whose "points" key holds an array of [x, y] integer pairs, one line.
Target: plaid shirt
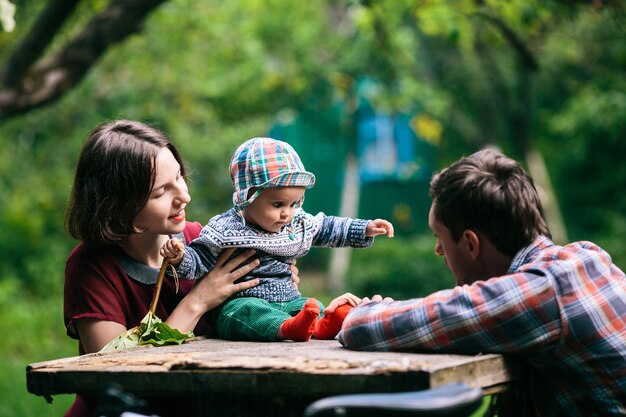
{"points": [[561, 309]]}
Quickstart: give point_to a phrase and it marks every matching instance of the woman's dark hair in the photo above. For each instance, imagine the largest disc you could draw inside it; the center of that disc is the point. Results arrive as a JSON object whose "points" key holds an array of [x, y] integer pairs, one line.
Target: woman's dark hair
{"points": [[490, 193], [114, 179]]}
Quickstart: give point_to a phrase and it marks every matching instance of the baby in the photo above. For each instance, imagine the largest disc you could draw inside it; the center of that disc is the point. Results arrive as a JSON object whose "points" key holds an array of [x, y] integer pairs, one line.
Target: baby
{"points": [[270, 180]]}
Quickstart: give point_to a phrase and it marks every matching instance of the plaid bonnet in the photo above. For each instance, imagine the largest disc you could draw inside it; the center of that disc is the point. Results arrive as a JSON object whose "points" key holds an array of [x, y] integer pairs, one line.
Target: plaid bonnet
{"points": [[263, 163]]}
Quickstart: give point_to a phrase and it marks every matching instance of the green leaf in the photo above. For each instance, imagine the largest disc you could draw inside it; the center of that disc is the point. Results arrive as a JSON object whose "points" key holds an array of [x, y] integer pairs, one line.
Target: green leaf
{"points": [[126, 340], [151, 331], [157, 333]]}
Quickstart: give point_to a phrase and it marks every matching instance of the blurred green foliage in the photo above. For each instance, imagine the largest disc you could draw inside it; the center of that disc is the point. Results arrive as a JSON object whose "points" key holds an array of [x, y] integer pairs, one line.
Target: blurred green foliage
{"points": [[398, 268], [213, 73], [33, 334]]}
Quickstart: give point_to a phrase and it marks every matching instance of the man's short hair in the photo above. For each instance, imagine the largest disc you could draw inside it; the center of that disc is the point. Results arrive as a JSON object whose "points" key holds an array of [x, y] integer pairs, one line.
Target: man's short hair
{"points": [[490, 193]]}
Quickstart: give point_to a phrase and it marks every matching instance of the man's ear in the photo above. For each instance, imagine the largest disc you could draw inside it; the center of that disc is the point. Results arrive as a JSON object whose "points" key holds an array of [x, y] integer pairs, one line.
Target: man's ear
{"points": [[472, 243]]}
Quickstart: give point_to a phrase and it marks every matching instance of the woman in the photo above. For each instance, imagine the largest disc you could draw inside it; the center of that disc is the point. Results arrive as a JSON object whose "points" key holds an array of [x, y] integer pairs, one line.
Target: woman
{"points": [[129, 196]]}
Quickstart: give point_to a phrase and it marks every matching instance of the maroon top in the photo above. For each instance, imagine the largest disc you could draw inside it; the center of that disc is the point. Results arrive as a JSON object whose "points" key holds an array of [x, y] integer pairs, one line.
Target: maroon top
{"points": [[106, 284]]}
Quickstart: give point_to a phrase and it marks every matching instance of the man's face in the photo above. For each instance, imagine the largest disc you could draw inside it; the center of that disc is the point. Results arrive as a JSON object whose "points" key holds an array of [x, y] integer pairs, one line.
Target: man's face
{"points": [[456, 254]]}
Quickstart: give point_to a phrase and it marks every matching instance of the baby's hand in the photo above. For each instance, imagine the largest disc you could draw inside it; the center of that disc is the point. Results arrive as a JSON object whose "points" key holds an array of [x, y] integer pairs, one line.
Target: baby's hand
{"points": [[174, 250], [379, 227]]}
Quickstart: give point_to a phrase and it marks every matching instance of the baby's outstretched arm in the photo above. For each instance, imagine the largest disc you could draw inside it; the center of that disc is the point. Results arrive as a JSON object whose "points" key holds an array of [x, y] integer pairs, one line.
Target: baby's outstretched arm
{"points": [[174, 250], [379, 227]]}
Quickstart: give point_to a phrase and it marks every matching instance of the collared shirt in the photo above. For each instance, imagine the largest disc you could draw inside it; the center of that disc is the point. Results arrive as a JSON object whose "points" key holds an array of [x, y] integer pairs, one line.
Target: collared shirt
{"points": [[562, 309], [103, 283]]}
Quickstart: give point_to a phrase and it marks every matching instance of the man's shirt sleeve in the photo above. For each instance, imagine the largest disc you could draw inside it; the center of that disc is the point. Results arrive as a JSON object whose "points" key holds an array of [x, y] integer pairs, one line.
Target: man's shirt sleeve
{"points": [[514, 313]]}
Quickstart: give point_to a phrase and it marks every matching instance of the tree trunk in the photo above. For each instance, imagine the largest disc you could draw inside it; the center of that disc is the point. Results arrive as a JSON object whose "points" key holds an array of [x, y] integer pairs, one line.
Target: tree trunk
{"points": [[520, 116], [29, 82], [538, 170], [340, 257]]}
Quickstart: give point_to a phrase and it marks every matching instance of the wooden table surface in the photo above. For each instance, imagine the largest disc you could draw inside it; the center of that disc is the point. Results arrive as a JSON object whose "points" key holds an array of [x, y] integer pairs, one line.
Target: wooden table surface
{"points": [[249, 378]]}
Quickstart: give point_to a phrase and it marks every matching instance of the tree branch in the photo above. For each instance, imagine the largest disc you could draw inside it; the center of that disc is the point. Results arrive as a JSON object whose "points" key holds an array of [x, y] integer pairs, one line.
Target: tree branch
{"points": [[50, 78], [526, 56], [49, 22]]}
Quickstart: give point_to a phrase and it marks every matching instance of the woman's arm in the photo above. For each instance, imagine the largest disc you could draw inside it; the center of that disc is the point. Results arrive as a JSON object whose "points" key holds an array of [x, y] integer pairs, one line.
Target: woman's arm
{"points": [[209, 292], [96, 333]]}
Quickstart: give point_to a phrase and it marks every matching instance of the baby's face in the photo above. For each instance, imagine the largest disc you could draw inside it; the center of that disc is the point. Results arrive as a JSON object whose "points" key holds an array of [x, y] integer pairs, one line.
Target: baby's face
{"points": [[274, 207]]}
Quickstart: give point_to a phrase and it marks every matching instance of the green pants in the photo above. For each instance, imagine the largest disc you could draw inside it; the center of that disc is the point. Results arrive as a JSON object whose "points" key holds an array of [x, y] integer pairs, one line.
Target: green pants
{"points": [[250, 318]]}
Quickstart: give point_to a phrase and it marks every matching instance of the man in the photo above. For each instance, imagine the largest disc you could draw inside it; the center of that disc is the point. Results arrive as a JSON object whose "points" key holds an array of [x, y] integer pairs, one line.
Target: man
{"points": [[562, 309]]}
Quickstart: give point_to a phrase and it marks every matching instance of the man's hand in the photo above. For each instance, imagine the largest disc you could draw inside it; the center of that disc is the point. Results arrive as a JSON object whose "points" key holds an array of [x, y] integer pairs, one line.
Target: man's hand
{"points": [[376, 297]]}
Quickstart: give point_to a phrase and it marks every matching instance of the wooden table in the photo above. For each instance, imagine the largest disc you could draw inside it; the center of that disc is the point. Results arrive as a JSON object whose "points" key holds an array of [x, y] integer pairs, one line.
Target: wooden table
{"points": [[213, 377]]}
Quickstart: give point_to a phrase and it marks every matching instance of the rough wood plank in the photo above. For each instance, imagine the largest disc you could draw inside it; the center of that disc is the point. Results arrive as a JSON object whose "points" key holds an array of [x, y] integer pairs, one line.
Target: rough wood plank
{"points": [[217, 366]]}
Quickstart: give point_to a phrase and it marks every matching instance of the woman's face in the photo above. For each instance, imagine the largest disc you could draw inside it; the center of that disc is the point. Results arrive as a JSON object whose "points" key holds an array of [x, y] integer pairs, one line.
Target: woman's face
{"points": [[164, 213]]}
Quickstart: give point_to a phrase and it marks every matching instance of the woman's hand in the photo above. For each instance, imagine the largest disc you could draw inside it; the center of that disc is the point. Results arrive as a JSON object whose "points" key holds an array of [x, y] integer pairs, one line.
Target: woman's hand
{"points": [[294, 275], [213, 289], [220, 281]]}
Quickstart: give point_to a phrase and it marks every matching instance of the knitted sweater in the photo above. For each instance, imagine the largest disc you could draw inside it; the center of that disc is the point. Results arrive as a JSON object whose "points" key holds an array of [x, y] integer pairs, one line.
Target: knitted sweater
{"points": [[276, 251]]}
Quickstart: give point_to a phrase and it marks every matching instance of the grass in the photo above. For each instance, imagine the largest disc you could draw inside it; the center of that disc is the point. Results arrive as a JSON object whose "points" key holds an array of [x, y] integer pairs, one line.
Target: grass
{"points": [[33, 332]]}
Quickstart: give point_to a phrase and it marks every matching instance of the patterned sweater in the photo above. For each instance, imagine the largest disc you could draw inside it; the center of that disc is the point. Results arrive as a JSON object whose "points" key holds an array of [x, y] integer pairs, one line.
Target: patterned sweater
{"points": [[276, 251]]}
